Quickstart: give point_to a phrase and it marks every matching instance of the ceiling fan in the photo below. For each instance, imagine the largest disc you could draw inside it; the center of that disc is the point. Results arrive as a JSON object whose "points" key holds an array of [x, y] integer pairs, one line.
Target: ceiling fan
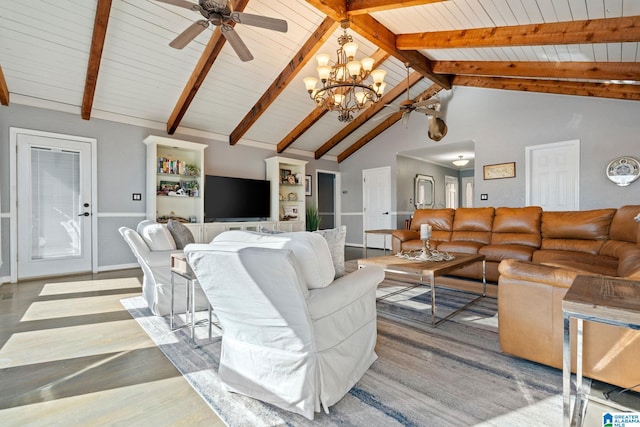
{"points": [[437, 128], [221, 15]]}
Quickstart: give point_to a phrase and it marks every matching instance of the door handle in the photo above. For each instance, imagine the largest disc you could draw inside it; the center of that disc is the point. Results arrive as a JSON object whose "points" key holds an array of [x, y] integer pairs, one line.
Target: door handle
{"points": [[84, 214], [385, 213]]}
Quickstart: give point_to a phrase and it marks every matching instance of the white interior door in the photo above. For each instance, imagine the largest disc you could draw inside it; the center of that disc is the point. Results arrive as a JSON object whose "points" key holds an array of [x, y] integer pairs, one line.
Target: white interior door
{"points": [[553, 176], [467, 192], [54, 197], [376, 192], [451, 191]]}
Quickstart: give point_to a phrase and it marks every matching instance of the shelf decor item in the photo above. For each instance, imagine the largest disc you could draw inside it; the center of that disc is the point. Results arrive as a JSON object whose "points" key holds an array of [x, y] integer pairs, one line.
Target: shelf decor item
{"points": [[500, 170]]}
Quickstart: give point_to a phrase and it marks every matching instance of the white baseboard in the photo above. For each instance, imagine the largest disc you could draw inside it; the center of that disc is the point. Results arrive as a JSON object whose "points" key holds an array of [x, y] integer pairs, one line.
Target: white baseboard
{"points": [[117, 267]]}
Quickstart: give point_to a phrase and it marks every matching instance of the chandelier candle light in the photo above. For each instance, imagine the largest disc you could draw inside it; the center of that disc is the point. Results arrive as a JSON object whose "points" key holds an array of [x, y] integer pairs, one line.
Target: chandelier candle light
{"points": [[344, 84]]}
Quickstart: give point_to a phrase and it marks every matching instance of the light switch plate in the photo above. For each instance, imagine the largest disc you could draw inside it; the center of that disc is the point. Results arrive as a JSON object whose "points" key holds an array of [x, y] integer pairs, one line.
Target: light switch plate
{"points": [[137, 196], [484, 196]]}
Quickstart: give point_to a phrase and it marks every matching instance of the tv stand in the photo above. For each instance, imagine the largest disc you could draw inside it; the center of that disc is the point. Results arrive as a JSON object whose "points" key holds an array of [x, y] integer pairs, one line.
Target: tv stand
{"points": [[209, 230]]}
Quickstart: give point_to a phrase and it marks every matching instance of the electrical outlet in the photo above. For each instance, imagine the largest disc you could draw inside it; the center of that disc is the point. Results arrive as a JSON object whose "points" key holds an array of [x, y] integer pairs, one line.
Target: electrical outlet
{"points": [[484, 196], [137, 196]]}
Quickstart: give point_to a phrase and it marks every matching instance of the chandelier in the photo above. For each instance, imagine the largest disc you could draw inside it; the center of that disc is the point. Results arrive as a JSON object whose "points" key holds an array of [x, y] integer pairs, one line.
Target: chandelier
{"points": [[345, 88]]}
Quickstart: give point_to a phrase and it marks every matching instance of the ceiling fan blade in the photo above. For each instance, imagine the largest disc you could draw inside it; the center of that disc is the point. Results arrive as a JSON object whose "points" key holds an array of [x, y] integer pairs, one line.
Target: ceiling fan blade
{"points": [[181, 3], [189, 34], [426, 103], [236, 43], [259, 21]]}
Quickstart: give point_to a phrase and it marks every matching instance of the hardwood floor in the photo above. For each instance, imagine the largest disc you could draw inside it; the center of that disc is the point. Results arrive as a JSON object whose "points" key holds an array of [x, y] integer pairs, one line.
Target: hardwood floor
{"points": [[70, 354]]}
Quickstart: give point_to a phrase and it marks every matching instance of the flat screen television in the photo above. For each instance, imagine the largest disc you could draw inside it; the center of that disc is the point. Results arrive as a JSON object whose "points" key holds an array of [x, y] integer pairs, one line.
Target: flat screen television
{"points": [[236, 199]]}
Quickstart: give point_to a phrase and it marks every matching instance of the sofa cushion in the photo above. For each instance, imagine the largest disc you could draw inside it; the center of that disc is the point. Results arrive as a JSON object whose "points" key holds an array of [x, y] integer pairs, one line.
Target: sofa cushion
{"points": [[156, 236], [311, 251], [473, 225], [180, 233], [335, 238], [583, 225], [623, 226], [501, 252], [440, 220], [519, 226]]}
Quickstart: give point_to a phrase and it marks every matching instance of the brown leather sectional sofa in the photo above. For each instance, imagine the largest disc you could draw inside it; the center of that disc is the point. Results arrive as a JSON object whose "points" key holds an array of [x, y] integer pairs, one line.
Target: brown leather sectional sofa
{"points": [[601, 241], [535, 256]]}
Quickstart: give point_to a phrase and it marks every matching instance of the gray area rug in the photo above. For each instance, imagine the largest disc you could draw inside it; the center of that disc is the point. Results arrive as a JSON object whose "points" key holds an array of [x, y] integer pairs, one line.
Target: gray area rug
{"points": [[452, 375]]}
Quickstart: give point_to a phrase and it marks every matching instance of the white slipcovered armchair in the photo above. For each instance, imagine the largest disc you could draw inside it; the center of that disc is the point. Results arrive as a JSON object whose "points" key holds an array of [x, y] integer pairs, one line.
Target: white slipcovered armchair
{"points": [[293, 336], [152, 244]]}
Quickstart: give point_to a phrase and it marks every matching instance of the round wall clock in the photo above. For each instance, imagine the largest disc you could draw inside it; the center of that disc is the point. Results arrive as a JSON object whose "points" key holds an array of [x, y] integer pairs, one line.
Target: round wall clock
{"points": [[623, 170]]}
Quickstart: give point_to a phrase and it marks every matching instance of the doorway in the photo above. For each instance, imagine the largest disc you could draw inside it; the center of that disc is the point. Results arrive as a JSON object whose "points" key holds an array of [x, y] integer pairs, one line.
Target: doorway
{"points": [[52, 183], [451, 191], [327, 198], [376, 202]]}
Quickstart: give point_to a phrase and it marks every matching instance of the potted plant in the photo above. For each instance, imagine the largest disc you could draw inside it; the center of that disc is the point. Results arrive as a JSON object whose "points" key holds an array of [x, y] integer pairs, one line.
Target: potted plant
{"points": [[313, 218]]}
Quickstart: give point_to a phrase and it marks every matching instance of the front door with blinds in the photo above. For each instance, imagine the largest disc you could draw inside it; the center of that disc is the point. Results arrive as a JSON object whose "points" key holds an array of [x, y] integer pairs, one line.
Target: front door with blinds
{"points": [[54, 205]]}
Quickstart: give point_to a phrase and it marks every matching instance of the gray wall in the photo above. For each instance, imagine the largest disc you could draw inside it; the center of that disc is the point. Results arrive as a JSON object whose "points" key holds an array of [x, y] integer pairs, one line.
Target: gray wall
{"points": [[121, 158], [406, 170], [502, 123]]}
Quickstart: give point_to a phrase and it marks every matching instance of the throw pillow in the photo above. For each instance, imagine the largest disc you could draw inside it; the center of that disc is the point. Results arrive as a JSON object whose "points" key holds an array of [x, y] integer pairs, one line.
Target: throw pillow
{"points": [[335, 238], [156, 236], [181, 233]]}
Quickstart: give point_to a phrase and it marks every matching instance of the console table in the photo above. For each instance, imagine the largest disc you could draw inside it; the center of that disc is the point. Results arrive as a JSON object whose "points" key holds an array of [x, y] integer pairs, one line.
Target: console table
{"points": [[595, 299]]}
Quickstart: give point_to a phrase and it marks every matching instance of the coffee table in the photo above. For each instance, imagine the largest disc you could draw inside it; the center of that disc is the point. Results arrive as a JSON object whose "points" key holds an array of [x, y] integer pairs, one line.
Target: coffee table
{"points": [[429, 270]]}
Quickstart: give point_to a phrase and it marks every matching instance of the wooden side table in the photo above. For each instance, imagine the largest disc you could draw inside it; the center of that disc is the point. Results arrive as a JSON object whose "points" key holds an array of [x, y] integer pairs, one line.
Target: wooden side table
{"points": [[596, 299], [385, 233]]}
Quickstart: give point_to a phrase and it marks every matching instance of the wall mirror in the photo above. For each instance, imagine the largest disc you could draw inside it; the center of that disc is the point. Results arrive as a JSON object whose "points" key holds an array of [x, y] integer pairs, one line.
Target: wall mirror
{"points": [[423, 191]]}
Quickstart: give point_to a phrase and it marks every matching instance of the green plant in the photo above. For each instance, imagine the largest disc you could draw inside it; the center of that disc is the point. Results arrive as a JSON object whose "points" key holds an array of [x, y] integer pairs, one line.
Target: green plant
{"points": [[313, 218]]}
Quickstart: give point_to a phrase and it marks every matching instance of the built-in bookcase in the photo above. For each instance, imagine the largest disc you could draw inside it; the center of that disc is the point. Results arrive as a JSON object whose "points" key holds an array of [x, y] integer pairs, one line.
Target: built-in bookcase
{"points": [[175, 180]]}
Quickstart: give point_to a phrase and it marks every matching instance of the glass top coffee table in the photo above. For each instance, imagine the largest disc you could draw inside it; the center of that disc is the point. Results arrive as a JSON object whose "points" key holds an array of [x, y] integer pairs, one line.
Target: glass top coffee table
{"points": [[428, 271]]}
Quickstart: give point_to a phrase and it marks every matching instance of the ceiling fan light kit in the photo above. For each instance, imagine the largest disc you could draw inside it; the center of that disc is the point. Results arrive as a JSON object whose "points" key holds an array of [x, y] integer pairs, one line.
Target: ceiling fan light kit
{"points": [[345, 88]]}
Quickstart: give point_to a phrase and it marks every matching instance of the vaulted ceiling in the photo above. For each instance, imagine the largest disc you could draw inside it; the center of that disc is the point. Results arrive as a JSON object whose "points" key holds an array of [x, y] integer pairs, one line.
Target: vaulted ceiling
{"points": [[110, 59]]}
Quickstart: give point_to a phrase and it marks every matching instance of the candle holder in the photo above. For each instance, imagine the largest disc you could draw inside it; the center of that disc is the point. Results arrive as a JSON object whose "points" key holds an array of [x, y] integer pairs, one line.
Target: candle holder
{"points": [[426, 251]]}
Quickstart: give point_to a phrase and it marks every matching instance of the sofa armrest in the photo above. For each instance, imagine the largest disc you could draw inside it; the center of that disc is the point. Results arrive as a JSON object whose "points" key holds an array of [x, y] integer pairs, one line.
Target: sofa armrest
{"points": [[539, 273], [404, 235], [343, 291]]}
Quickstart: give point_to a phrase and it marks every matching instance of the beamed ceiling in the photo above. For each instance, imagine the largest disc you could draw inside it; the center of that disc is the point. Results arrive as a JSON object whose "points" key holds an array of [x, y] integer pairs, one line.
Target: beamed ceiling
{"points": [[110, 59]]}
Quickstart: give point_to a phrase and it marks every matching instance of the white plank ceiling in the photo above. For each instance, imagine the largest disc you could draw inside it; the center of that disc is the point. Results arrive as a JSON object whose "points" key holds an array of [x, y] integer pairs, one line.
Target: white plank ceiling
{"points": [[45, 48]]}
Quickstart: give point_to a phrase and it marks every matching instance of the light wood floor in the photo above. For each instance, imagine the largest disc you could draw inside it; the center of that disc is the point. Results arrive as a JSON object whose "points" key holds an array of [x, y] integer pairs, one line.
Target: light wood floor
{"points": [[71, 355]]}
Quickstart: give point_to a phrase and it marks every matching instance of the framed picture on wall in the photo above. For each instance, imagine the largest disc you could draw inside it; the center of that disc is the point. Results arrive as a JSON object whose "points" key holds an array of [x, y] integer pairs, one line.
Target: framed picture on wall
{"points": [[307, 185], [500, 170]]}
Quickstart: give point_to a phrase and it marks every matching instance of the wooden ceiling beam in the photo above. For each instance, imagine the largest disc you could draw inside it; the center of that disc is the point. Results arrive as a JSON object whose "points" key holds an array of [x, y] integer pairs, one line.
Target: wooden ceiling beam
{"points": [[379, 56], [4, 90], [601, 90], [200, 72], [363, 117], [387, 123], [567, 70], [610, 30], [359, 7], [300, 59], [378, 34], [101, 20]]}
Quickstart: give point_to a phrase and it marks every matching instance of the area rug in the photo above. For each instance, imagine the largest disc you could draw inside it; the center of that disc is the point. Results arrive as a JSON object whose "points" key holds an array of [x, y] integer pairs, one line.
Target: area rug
{"points": [[452, 375]]}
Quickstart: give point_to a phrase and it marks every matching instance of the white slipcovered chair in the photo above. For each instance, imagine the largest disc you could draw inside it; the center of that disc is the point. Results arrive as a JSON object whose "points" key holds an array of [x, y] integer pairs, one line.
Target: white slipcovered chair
{"points": [[152, 244], [292, 335]]}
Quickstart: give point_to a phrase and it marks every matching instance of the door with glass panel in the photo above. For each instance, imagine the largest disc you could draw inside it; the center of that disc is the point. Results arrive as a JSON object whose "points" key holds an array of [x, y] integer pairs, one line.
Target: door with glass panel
{"points": [[54, 205]]}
